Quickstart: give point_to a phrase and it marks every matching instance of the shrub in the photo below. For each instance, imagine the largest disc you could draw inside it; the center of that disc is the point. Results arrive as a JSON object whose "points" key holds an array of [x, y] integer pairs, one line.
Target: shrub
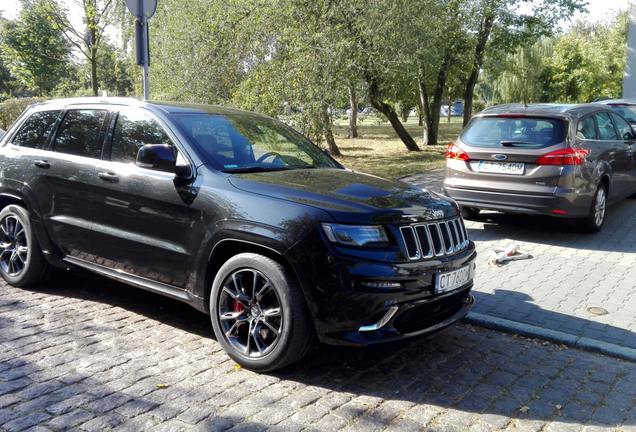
{"points": [[12, 108]]}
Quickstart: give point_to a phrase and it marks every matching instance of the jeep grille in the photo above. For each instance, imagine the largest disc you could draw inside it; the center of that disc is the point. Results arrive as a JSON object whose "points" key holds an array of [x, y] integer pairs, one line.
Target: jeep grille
{"points": [[434, 239]]}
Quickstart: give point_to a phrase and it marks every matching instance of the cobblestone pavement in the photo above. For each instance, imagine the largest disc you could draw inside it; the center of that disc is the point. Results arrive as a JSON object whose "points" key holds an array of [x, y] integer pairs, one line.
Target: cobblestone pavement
{"points": [[567, 274], [88, 354]]}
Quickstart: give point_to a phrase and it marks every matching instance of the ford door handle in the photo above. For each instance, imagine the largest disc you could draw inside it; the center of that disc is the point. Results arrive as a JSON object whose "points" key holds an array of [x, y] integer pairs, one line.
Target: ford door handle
{"points": [[42, 164], [109, 177]]}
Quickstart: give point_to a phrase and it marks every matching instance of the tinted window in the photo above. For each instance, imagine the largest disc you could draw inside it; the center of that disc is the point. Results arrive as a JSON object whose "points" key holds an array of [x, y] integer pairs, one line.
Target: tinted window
{"points": [[624, 129], [79, 133], [606, 128], [132, 131], [36, 129], [586, 129], [515, 131]]}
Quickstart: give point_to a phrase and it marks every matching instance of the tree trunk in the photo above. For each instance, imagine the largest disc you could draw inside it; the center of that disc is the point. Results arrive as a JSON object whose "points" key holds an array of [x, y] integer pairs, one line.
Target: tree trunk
{"points": [[353, 113], [482, 39], [93, 59], [374, 98], [328, 133], [432, 111], [425, 110]]}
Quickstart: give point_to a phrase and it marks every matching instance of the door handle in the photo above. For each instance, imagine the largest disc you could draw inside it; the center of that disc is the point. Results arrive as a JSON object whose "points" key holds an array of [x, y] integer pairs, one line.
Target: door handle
{"points": [[42, 164], [109, 177]]}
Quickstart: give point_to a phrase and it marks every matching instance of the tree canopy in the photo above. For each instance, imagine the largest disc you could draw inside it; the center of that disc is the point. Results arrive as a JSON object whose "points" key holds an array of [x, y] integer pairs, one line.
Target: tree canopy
{"points": [[305, 61]]}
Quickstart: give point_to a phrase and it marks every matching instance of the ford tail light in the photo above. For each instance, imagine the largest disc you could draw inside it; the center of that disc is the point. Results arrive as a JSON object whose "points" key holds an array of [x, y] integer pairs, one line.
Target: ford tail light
{"points": [[567, 156], [454, 152]]}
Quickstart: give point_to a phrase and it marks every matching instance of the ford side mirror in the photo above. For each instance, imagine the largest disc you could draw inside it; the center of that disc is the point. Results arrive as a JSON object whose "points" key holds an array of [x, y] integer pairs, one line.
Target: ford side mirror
{"points": [[160, 157]]}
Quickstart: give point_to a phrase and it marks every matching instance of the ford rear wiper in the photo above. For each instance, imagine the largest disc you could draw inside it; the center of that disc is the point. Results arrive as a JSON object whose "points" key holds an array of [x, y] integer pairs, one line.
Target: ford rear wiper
{"points": [[512, 143]]}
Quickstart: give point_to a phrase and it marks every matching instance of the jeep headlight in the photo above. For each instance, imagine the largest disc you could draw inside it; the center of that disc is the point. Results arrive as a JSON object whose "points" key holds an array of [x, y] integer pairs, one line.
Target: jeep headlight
{"points": [[356, 235]]}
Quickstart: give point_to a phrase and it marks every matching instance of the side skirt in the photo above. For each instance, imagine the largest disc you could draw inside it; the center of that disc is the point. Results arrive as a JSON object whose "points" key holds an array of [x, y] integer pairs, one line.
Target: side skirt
{"points": [[140, 282]]}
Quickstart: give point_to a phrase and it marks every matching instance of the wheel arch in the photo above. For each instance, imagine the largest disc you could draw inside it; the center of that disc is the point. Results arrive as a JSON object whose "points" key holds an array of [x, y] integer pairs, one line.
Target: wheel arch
{"points": [[227, 248], [50, 252]]}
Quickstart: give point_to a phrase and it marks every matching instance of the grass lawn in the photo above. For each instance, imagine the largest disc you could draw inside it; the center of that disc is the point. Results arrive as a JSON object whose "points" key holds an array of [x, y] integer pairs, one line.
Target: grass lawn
{"points": [[379, 151]]}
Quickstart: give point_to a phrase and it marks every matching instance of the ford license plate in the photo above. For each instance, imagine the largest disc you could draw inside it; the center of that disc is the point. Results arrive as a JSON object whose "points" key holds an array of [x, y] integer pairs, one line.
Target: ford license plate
{"points": [[450, 280], [501, 167]]}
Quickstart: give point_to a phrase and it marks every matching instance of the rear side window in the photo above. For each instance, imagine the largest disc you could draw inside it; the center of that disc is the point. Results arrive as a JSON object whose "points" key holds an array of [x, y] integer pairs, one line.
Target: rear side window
{"points": [[79, 133], [606, 129], [35, 131], [132, 131], [514, 131], [586, 129]]}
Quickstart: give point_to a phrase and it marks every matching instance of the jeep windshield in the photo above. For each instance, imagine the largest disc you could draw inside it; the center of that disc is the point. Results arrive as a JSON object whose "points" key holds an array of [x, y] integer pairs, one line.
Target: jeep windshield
{"points": [[234, 142]]}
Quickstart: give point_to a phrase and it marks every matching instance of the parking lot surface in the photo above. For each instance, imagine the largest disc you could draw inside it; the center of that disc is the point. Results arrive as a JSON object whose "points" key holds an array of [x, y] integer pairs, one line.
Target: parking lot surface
{"points": [[88, 354], [567, 275]]}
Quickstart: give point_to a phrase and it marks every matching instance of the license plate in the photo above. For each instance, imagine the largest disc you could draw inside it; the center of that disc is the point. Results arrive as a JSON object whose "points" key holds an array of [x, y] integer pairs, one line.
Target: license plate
{"points": [[450, 280], [501, 167]]}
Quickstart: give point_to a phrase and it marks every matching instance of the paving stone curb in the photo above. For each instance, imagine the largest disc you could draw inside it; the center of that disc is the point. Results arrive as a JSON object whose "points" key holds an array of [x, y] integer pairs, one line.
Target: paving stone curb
{"points": [[528, 330]]}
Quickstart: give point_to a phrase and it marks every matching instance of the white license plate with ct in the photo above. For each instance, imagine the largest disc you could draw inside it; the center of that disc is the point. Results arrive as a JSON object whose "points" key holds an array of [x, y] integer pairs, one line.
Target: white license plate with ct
{"points": [[450, 280], [501, 167]]}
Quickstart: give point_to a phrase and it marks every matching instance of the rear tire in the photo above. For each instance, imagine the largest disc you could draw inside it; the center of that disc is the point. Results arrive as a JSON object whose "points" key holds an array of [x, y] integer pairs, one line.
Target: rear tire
{"points": [[21, 261], [593, 222], [469, 213], [259, 314]]}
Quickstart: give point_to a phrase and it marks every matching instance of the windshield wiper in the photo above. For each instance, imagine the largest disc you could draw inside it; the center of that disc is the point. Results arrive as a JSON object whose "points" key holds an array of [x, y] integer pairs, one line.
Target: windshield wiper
{"points": [[253, 169], [512, 143]]}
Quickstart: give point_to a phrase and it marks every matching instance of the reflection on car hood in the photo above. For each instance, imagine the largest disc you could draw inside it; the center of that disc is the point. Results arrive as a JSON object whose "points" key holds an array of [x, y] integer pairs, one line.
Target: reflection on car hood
{"points": [[349, 196]]}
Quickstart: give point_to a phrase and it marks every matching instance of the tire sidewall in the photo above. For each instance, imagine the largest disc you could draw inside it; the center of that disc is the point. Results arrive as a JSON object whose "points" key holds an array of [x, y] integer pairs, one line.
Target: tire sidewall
{"points": [[588, 224], [285, 287], [27, 275], [593, 211]]}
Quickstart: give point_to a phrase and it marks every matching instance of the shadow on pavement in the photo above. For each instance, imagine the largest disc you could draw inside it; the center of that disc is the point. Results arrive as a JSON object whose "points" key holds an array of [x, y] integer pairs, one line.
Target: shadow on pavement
{"points": [[616, 235], [451, 377], [519, 307]]}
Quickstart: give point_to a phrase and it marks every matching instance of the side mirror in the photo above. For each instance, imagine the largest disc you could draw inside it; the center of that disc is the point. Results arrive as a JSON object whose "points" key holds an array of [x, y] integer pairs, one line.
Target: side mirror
{"points": [[160, 157], [628, 136]]}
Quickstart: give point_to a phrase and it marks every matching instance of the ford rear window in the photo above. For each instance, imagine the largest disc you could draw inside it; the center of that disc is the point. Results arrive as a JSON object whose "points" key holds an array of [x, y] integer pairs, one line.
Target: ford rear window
{"points": [[510, 131]]}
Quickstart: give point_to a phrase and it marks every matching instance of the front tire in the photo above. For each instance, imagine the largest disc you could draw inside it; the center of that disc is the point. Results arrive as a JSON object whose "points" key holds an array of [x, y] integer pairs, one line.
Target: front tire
{"points": [[593, 222], [21, 261], [259, 313]]}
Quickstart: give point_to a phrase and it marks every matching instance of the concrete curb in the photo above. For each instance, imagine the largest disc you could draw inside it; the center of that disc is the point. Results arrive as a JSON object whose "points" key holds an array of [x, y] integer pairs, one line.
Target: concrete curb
{"points": [[583, 343]]}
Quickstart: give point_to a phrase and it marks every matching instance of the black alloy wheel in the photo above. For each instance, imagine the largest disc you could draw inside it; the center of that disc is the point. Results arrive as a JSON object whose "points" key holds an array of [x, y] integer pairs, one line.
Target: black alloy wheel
{"points": [[259, 314], [21, 260]]}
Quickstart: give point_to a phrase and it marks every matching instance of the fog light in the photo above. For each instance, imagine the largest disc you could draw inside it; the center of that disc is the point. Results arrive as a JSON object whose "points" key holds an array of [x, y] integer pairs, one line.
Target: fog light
{"points": [[382, 284]]}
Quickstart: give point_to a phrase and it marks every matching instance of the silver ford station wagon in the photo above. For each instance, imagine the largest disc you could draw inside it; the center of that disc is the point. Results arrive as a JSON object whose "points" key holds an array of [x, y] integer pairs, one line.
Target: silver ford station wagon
{"points": [[560, 160]]}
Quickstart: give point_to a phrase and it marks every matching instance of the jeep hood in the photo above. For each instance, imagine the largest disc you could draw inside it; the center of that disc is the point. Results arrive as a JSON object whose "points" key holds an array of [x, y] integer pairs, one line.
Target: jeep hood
{"points": [[348, 196]]}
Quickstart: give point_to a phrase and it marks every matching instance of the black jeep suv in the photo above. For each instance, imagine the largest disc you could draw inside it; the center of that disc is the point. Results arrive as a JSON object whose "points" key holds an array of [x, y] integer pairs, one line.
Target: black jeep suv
{"points": [[235, 214]]}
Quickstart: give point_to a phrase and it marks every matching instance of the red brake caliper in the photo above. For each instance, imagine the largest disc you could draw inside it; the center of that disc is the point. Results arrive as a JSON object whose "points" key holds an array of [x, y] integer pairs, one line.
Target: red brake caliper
{"points": [[238, 307]]}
